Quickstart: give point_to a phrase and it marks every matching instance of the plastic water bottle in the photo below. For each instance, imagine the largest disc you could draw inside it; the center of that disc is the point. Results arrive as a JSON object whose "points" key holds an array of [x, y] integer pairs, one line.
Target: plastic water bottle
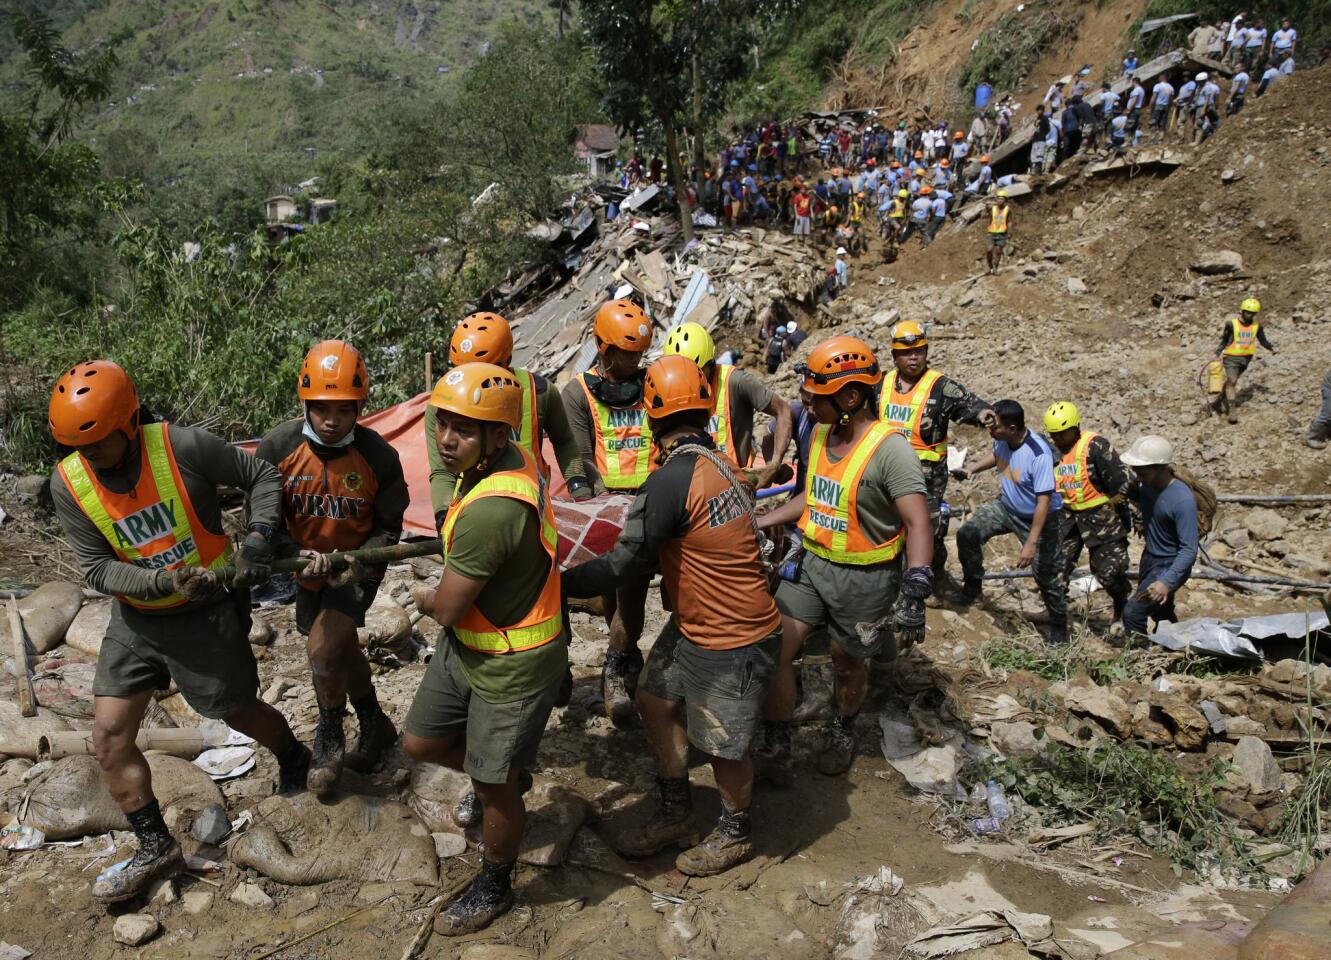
{"points": [[998, 807]]}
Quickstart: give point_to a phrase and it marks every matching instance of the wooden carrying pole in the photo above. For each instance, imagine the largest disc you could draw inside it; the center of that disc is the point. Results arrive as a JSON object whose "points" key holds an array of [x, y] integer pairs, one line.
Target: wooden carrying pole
{"points": [[429, 371], [19, 637]]}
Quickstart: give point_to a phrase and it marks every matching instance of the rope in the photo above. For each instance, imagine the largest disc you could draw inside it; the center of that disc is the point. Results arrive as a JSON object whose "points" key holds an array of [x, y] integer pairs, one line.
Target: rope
{"points": [[745, 493]]}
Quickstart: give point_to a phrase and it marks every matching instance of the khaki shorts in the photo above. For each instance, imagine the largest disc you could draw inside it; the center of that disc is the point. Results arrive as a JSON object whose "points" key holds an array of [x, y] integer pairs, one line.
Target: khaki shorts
{"points": [[1234, 366], [722, 690], [997, 239], [500, 736], [854, 603], [205, 650], [352, 601]]}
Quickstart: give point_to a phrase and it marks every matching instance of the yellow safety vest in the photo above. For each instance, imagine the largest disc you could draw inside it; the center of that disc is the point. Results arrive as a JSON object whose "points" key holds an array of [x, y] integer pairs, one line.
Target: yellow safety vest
{"points": [[998, 219], [830, 522], [898, 209], [902, 413], [1073, 480], [528, 435], [155, 526], [719, 425], [545, 620], [1244, 343], [623, 442]]}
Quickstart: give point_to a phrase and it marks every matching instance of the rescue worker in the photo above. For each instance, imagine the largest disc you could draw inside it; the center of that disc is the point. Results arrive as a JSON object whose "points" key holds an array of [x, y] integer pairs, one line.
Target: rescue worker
{"points": [[738, 395], [605, 411], [1027, 508], [1000, 228], [864, 505], [139, 506], [920, 403], [1093, 484], [1238, 343], [502, 653], [710, 668], [921, 210], [488, 338], [342, 489]]}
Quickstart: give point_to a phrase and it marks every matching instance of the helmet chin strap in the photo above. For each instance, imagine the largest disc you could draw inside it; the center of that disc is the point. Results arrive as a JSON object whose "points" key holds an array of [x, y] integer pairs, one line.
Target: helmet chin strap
{"points": [[845, 415]]}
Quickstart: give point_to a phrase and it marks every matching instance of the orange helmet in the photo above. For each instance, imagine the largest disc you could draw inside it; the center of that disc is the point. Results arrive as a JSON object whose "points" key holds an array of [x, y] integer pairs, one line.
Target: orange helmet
{"points": [[926, 190], [485, 337], [91, 401], [945, 163], [839, 361], [623, 324], [958, 136], [333, 370], [674, 384], [985, 158], [481, 391]]}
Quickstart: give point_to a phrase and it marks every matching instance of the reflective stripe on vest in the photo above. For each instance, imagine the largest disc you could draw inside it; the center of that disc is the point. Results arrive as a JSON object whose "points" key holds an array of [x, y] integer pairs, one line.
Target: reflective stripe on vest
{"points": [[718, 425], [902, 413], [998, 219], [623, 442], [154, 527], [545, 620], [1244, 343], [529, 431], [1073, 480], [830, 522]]}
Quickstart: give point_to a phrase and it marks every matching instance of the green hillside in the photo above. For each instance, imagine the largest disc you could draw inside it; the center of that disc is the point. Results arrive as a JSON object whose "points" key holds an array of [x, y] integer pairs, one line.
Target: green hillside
{"points": [[233, 98]]}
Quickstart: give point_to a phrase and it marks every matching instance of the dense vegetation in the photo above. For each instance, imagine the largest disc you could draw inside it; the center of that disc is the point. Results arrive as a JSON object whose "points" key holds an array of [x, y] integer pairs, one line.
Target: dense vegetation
{"points": [[216, 338]]}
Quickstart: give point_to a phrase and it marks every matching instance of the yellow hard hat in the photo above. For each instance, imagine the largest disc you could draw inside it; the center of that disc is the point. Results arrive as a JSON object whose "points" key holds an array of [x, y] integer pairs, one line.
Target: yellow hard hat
{"points": [[908, 335], [1251, 305], [481, 391], [691, 340], [1061, 416], [1003, 194]]}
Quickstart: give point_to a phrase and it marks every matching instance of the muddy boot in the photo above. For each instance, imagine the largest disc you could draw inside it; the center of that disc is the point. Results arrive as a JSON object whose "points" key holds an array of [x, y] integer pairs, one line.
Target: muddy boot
{"points": [[671, 822], [489, 895], [329, 747], [293, 769], [729, 843], [970, 593], [377, 736], [838, 747], [159, 856], [771, 755], [1058, 634], [614, 688]]}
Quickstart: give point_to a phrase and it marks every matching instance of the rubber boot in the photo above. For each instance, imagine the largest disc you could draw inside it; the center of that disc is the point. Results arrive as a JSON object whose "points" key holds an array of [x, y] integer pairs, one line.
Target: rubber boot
{"points": [[838, 747], [729, 843], [970, 593], [670, 824], [614, 688], [376, 738], [293, 770], [158, 856], [489, 895], [329, 748], [771, 757]]}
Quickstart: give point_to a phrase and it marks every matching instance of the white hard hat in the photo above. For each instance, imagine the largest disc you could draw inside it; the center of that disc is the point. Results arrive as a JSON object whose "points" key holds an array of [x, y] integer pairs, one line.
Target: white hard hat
{"points": [[840, 251], [1203, 77], [1149, 451], [792, 325]]}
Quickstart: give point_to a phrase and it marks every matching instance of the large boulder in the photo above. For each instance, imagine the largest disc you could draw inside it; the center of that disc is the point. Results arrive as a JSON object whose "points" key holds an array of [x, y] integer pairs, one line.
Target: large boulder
{"points": [[1216, 262]]}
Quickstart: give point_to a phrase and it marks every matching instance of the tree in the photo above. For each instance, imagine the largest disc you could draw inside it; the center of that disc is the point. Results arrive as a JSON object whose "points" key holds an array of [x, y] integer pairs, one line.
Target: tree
{"points": [[669, 59], [49, 184]]}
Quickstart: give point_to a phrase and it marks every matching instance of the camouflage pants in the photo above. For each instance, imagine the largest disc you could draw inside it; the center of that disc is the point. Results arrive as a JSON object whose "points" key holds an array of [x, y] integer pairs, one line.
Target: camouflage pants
{"points": [[935, 489], [993, 520], [1101, 531]]}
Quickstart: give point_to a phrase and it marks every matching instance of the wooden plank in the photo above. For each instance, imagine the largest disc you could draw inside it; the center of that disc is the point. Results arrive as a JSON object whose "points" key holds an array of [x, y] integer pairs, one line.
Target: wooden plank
{"points": [[19, 638]]}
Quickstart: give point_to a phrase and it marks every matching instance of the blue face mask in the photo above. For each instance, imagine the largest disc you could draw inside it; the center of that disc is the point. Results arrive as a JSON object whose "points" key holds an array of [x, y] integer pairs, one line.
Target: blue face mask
{"points": [[309, 433]]}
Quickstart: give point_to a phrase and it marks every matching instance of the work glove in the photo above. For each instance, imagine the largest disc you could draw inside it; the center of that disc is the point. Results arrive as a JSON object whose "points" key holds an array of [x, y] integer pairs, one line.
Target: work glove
{"points": [[908, 612], [194, 583], [253, 561]]}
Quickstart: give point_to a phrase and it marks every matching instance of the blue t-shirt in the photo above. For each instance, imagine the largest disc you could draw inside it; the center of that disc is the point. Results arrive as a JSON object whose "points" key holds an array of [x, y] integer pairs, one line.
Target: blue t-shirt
{"points": [[1026, 472], [1170, 516]]}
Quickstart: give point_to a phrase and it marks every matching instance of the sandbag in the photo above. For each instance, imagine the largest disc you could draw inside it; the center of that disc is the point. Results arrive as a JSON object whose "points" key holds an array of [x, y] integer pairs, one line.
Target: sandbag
{"points": [[299, 840], [89, 627], [19, 734], [47, 613], [70, 800], [554, 812], [64, 687]]}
